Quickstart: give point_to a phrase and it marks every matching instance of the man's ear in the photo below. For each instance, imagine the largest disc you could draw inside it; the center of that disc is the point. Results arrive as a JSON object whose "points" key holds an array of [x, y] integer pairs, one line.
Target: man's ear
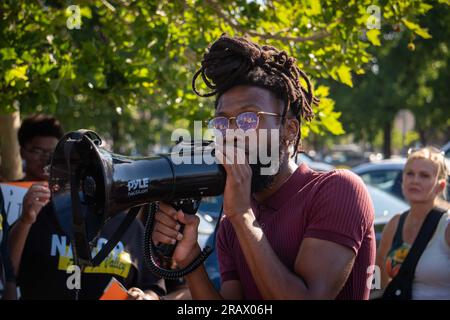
{"points": [[292, 128]]}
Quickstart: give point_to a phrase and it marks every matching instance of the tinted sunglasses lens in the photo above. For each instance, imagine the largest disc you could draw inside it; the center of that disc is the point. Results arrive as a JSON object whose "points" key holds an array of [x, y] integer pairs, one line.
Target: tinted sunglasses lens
{"points": [[219, 123], [247, 121]]}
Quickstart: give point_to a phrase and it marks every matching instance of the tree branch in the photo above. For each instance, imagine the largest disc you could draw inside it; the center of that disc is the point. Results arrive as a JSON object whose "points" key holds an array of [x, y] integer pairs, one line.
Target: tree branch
{"points": [[266, 36], [108, 5]]}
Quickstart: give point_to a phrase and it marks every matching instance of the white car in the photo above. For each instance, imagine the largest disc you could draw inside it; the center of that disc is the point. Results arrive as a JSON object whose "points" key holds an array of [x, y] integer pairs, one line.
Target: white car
{"points": [[386, 175], [446, 149], [386, 206], [313, 164]]}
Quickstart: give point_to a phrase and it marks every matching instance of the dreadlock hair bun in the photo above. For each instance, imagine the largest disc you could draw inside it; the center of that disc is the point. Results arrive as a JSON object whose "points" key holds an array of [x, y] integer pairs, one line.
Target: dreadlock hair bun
{"points": [[233, 61]]}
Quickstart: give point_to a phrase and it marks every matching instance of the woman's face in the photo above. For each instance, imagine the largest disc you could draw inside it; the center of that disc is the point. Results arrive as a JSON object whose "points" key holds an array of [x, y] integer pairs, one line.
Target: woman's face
{"points": [[420, 181]]}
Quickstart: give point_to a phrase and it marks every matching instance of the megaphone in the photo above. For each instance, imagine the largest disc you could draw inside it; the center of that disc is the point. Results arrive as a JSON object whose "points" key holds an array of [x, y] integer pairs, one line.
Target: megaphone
{"points": [[90, 185]]}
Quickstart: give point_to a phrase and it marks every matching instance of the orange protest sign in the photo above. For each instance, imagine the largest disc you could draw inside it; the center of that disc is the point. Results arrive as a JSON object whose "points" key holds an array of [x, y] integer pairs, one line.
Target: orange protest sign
{"points": [[21, 184], [13, 193], [114, 291]]}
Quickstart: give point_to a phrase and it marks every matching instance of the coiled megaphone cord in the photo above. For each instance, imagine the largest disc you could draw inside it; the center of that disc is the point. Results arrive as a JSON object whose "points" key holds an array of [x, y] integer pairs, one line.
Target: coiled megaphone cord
{"points": [[150, 252]]}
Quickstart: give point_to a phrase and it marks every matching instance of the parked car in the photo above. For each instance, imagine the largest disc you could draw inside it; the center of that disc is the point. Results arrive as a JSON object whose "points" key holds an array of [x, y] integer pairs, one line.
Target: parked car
{"points": [[205, 229], [386, 175], [386, 206], [208, 212], [446, 149], [210, 207], [313, 164], [346, 156]]}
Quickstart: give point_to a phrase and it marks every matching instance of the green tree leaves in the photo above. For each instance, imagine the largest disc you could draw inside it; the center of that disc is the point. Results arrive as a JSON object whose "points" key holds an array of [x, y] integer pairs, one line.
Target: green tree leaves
{"points": [[139, 56], [373, 36], [416, 29]]}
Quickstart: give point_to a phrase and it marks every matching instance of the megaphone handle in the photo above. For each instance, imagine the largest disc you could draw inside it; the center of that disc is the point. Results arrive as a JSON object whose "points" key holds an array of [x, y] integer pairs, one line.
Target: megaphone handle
{"points": [[188, 206], [166, 250]]}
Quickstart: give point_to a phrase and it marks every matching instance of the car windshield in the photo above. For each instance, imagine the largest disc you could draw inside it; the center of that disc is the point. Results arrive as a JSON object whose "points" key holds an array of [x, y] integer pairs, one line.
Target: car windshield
{"points": [[386, 180]]}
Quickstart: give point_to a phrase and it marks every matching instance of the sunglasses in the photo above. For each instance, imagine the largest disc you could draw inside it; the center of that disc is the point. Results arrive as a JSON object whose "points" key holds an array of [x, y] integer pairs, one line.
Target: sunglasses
{"points": [[431, 148], [39, 152], [244, 121], [436, 151]]}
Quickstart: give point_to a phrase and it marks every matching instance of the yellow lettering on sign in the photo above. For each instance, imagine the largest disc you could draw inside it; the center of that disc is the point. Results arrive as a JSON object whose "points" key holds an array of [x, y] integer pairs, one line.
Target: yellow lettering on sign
{"points": [[119, 265]]}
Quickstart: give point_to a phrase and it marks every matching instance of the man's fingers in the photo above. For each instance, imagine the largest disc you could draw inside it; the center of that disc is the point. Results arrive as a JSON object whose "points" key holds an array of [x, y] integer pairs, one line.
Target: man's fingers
{"points": [[40, 184], [237, 170], [223, 160], [159, 237], [39, 189], [34, 197], [167, 209], [40, 195], [243, 170], [231, 156], [187, 219], [172, 233], [135, 294], [166, 220]]}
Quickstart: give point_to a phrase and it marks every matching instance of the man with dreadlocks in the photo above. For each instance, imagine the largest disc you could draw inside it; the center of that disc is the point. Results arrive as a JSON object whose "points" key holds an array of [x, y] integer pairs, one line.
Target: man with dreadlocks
{"points": [[298, 234]]}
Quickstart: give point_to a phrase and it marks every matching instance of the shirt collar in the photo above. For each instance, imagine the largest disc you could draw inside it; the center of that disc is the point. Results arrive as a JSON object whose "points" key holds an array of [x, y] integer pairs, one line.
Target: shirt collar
{"points": [[290, 187]]}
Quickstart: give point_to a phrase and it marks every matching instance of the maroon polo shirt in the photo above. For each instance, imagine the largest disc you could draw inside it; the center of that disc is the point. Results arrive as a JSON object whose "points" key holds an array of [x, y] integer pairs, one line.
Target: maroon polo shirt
{"points": [[333, 206]]}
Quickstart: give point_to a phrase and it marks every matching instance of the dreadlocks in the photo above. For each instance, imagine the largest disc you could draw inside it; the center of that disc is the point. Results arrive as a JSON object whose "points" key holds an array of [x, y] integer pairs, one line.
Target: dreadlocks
{"points": [[233, 61]]}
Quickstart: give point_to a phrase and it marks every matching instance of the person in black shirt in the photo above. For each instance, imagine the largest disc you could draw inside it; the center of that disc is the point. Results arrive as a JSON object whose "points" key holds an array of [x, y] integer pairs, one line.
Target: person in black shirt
{"points": [[41, 252], [47, 255], [7, 278]]}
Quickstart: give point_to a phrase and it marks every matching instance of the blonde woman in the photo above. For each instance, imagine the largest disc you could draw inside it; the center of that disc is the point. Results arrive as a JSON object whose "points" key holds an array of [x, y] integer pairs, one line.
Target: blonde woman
{"points": [[424, 181]]}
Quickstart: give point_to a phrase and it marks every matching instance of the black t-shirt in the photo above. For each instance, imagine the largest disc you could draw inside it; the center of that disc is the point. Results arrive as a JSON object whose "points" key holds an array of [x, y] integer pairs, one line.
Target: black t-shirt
{"points": [[6, 270], [47, 254]]}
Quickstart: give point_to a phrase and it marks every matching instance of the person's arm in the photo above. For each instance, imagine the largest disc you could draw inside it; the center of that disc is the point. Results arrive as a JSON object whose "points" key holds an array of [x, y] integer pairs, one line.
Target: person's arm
{"points": [[34, 200], [200, 285], [166, 231], [202, 288], [10, 290], [383, 248], [177, 290], [321, 267]]}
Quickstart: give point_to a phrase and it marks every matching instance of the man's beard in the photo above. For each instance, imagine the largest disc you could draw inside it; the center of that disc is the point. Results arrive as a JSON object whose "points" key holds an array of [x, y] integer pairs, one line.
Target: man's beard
{"points": [[262, 182]]}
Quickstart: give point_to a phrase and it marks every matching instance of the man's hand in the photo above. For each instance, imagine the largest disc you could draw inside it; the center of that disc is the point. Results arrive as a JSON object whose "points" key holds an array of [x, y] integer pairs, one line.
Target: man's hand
{"points": [[237, 193], [34, 200], [166, 230], [138, 294]]}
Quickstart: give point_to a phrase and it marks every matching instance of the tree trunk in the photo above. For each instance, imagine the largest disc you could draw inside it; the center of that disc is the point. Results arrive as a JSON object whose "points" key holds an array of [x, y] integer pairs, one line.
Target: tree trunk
{"points": [[11, 163], [387, 139], [423, 137]]}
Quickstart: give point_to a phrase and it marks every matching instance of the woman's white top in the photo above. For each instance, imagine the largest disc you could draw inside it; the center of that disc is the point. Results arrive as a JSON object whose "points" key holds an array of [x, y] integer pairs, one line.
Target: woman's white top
{"points": [[432, 277]]}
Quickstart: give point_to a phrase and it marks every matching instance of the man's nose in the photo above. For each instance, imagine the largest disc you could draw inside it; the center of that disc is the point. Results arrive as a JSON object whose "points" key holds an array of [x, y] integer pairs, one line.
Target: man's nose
{"points": [[233, 124]]}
